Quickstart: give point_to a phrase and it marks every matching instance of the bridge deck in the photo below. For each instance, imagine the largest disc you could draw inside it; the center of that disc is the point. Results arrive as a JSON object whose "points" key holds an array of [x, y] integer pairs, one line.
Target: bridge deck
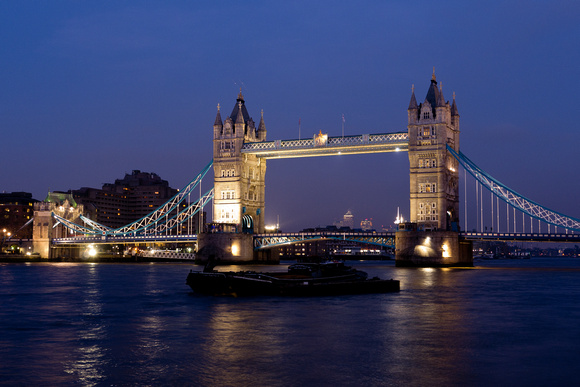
{"points": [[124, 239], [521, 237], [328, 146], [265, 241]]}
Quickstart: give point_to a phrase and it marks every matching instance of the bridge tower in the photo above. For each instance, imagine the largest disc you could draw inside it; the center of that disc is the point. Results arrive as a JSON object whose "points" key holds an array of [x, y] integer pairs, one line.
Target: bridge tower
{"points": [[434, 178], [432, 236], [239, 189]]}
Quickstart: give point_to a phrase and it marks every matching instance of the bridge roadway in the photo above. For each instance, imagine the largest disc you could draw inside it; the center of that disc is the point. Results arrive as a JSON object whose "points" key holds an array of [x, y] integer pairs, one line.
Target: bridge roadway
{"points": [[83, 240], [269, 240], [322, 145], [265, 241], [519, 237]]}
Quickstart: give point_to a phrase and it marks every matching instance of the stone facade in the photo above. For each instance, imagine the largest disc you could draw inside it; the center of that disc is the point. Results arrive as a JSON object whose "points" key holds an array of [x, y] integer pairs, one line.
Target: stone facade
{"points": [[434, 180], [431, 248], [44, 229], [239, 185]]}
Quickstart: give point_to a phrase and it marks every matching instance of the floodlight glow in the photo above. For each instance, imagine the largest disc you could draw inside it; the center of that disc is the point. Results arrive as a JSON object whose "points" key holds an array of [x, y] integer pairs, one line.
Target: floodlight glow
{"points": [[91, 251]]}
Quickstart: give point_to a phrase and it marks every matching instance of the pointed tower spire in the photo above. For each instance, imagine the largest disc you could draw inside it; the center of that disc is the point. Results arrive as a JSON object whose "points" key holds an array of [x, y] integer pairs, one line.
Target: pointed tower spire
{"points": [[454, 111], [440, 98], [261, 125], [240, 116], [433, 93], [413, 102], [218, 117], [261, 128]]}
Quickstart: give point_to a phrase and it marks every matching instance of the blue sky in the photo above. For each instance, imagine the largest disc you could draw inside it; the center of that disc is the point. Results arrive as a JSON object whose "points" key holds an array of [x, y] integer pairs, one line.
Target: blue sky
{"points": [[92, 90]]}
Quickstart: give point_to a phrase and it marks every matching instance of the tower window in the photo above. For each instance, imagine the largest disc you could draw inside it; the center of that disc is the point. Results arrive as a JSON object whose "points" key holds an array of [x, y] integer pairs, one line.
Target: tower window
{"points": [[426, 115], [228, 194]]}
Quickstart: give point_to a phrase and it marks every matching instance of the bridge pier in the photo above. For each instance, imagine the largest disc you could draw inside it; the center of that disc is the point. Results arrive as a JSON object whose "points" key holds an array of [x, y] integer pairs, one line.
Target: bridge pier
{"points": [[232, 248], [415, 248]]}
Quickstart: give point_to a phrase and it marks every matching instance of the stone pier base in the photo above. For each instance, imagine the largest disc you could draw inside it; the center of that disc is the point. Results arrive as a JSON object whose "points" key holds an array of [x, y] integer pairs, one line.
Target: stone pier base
{"points": [[432, 249], [232, 248]]}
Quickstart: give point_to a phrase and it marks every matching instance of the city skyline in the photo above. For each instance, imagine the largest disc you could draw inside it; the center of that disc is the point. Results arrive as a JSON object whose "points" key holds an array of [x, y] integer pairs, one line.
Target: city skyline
{"points": [[93, 91]]}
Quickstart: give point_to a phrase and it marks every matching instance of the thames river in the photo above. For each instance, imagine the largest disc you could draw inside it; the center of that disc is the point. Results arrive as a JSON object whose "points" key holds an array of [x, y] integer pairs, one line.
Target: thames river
{"points": [[502, 323]]}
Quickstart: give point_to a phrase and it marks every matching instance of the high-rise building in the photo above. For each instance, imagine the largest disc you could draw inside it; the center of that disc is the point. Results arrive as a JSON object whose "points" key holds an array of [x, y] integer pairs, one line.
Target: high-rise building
{"points": [[348, 220], [16, 209], [126, 200]]}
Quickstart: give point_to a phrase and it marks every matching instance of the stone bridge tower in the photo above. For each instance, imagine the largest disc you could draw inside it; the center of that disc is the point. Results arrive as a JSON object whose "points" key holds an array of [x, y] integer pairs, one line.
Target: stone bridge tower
{"points": [[432, 237], [434, 179], [239, 187]]}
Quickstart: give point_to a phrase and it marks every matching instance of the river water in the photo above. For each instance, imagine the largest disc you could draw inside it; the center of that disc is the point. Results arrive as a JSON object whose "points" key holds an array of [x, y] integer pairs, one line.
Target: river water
{"points": [[502, 323]]}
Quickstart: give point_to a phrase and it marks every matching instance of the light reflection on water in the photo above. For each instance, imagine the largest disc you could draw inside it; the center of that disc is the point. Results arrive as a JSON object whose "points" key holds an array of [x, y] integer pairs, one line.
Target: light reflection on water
{"points": [[89, 358], [506, 323]]}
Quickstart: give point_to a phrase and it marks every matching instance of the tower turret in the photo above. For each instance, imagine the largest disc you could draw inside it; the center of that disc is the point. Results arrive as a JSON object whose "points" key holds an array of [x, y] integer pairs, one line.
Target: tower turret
{"points": [[413, 109], [218, 125], [262, 128]]}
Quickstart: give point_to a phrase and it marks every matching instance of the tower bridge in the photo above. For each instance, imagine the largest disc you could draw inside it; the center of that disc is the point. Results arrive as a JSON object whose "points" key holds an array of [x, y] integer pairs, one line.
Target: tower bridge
{"points": [[240, 153]]}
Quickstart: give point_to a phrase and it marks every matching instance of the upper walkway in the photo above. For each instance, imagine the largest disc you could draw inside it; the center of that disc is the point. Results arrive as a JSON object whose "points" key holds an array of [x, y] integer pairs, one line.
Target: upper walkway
{"points": [[322, 145]]}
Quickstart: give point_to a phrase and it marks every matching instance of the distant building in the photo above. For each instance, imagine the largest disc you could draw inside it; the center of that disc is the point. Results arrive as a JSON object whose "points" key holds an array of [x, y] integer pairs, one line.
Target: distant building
{"points": [[347, 220], [366, 224], [126, 200], [16, 209]]}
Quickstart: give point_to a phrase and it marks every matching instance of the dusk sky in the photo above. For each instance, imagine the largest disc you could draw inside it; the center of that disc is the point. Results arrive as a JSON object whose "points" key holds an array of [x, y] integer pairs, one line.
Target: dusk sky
{"points": [[90, 91]]}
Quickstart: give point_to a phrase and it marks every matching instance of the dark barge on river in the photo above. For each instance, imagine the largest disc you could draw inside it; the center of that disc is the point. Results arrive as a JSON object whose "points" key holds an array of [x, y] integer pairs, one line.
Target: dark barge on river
{"points": [[301, 279]]}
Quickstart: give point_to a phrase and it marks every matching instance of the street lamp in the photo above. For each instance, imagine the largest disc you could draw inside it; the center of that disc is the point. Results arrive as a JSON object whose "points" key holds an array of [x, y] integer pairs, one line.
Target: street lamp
{"points": [[5, 234]]}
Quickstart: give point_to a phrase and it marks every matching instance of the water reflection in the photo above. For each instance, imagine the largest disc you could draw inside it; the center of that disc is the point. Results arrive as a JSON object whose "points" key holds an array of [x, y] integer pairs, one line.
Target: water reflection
{"points": [[239, 336], [432, 329], [89, 358], [140, 325]]}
